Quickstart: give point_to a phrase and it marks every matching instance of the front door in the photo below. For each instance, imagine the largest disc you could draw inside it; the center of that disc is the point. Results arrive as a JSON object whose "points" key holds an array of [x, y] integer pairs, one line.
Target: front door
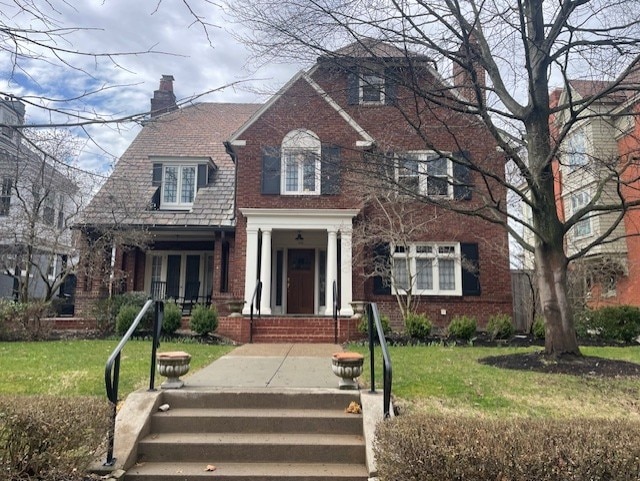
{"points": [[300, 281]]}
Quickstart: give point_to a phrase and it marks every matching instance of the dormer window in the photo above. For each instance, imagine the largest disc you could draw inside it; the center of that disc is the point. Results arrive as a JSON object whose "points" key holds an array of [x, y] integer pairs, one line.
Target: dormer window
{"points": [[371, 89], [179, 180], [178, 186]]}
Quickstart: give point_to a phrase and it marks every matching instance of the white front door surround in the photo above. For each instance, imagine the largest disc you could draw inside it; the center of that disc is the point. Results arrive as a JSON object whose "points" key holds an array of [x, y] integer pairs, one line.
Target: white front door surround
{"points": [[335, 222]]}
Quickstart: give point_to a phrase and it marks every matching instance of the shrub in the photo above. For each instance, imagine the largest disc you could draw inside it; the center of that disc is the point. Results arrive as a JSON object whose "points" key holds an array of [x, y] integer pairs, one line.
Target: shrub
{"points": [[363, 325], [424, 446], [500, 327], [125, 318], [418, 325], [537, 329], [172, 318], [203, 319], [106, 310], [614, 323], [462, 327], [22, 320], [50, 438]]}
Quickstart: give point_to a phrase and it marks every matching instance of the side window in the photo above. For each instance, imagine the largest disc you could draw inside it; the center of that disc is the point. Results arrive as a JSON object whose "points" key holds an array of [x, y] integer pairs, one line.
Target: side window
{"points": [[576, 151], [372, 89], [5, 196]]}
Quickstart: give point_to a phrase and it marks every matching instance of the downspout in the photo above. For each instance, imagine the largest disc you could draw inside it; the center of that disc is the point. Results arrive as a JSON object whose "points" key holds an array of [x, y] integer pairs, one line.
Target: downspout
{"points": [[234, 158]]}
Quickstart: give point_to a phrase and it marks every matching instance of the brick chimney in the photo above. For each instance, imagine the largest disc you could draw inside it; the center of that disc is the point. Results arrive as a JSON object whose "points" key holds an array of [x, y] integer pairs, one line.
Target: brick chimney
{"points": [[462, 80], [164, 100]]}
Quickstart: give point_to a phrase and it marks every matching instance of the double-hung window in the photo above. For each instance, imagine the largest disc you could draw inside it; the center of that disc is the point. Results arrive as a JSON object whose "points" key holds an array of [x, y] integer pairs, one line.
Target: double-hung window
{"points": [[5, 196], [582, 228], [372, 89], [427, 269], [425, 173], [301, 163], [178, 186], [576, 150]]}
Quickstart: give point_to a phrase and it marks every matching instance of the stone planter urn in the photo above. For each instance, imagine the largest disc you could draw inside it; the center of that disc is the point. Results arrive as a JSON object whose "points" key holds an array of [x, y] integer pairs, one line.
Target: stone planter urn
{"points": [[358, 308], [347, 366], [235, 307], [172, 365]]}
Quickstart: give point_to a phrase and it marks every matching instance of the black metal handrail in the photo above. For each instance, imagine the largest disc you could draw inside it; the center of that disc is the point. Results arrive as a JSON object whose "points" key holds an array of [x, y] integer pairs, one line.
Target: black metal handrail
{"points": [[112, 368], [336, 308], [255, 300], [373, 317]]}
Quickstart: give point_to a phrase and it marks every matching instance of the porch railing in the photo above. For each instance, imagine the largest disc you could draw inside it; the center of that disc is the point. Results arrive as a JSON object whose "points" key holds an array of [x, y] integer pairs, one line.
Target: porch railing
{"points": [[112, 368], [255, 301], [336, 309], [373, 317]]}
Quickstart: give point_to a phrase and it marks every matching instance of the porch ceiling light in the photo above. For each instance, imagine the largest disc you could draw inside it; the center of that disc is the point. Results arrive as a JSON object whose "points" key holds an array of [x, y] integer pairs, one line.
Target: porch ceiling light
{"points": [[299, 238]]}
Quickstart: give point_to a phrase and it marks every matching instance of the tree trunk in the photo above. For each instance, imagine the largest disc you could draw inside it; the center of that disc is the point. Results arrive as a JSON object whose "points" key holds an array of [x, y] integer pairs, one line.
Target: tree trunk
{"points": [[560, 334]]}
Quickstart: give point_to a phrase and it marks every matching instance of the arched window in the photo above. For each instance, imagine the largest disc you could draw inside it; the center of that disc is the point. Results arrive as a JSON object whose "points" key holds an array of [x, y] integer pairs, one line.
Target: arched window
{"points": [[300, 163]]}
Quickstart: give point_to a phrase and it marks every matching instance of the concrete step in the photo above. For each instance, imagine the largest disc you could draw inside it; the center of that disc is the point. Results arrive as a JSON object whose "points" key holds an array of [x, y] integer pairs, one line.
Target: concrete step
{"points": [[261, 399], [200, 420], [212, 448], [248, 472]]}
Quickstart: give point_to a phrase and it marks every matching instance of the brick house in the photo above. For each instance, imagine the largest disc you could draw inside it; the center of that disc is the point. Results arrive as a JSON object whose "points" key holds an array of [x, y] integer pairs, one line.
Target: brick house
{"points": [[303, 164]]}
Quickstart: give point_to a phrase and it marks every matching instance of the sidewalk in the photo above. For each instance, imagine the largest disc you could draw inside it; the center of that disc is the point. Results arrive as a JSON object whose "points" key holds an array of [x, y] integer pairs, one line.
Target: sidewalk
{"points": [[269, 366]]}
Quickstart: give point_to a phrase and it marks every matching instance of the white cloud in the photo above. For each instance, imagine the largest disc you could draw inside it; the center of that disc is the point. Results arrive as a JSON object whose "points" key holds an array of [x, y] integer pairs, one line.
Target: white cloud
{"points": [[175, 44]]}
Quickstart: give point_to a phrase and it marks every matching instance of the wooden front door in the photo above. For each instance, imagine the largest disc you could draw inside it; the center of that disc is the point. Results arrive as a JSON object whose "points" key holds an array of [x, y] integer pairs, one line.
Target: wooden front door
{"points": [[300, 281]]}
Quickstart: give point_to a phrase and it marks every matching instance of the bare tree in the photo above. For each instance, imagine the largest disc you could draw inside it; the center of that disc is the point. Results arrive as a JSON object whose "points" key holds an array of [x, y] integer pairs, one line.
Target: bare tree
{"points": [[505, 57]]}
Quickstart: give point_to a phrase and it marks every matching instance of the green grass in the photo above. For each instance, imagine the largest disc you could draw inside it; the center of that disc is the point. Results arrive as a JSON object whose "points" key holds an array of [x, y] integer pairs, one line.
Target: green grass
{"points": [[76, 367], [450, 380]]}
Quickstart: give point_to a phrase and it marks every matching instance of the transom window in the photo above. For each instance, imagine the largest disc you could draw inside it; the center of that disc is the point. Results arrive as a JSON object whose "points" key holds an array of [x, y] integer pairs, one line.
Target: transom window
{"points": [[582, 228], [301, 163], [425, 173], [427, 269], [372, 89], [178, 186]]}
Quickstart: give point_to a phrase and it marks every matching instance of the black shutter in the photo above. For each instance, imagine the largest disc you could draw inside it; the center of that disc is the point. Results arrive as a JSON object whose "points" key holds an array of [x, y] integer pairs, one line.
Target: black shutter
{"points": [[157, 175], [271, 171], [353, 88], [470, 270], [390, 86], [462, 181], [330, 170], [203, 177], [382, 259], [211, 174]]}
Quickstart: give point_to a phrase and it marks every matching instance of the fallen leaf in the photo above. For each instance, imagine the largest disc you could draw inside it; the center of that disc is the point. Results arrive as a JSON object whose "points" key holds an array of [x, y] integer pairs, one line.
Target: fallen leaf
{"points": [[210, 467], [353, 408]]}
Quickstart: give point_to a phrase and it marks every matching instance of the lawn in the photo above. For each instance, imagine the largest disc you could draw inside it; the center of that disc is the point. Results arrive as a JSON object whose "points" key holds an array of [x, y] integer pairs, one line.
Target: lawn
{"points": [[450, 380], [76, 367]]}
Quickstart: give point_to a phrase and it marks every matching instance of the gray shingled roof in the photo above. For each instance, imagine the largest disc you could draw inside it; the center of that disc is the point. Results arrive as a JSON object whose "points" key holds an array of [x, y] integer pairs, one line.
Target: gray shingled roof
{"points": [[195, 131]]}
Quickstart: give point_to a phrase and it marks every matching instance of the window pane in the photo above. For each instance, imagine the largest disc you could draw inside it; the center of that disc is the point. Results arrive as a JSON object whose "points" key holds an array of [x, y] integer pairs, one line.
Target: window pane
{"points": [[188, 184], [309, 173], [372, 87], [400, 274], [437, 167], [408, 174], [437, 186], [424, 274], [171, 184], [291, 174], [447, 274]]}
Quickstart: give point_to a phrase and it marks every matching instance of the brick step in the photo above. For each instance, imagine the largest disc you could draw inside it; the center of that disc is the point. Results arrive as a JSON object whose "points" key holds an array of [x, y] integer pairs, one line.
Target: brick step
{"points": [[303, 329], [248, 472], [200, 420], [261, 399], [212, 448]]}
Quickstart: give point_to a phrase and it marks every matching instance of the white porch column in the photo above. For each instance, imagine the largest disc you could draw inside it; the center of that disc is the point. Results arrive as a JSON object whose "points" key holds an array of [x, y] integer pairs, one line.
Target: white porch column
{"points": [[265, 272], [332, 269], [346, 271], [250, 268]]}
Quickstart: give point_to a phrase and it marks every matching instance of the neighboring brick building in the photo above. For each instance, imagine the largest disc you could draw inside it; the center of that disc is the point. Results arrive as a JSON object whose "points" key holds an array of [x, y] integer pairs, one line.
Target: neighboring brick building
{"points": [[302, 163]]}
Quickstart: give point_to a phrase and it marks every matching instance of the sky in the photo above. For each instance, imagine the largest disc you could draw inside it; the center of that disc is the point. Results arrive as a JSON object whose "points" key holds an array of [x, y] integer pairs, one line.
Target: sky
{"points": [[155, 38]]}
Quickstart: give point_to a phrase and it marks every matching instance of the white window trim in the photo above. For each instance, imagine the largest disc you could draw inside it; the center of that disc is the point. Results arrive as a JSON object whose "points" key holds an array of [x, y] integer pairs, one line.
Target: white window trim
{"points": [[362, 83], [291, 145], [422, 157], [178, 205], [413, 255], [585, 220]]}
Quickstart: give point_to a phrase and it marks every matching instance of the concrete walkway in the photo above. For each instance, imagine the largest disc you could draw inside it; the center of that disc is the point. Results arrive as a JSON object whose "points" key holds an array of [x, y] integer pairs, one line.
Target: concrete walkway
{"points": [[269, 366]]}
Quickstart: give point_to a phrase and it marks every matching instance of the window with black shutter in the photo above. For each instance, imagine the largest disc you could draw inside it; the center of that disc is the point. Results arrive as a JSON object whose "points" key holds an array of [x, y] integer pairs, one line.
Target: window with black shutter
{"points": [[470, 269]]}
